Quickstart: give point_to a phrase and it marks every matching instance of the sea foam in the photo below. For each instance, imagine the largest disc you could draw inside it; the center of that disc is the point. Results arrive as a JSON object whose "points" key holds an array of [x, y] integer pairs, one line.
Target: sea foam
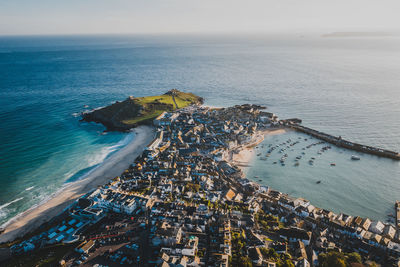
{"points": [[9, 203]]}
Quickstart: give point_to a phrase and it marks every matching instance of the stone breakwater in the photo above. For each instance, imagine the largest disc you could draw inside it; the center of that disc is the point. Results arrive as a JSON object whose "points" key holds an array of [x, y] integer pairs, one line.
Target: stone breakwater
{"points": [[338, 141]]}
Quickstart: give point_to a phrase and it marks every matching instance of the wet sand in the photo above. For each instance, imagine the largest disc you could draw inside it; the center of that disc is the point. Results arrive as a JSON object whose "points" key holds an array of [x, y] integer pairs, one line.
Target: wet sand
{"points": [[112, 167], [246, 153]]}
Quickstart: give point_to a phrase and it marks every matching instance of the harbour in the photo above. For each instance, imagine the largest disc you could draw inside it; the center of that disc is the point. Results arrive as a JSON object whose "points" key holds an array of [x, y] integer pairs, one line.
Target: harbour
{"points": [[329, 177], [338, 141]]}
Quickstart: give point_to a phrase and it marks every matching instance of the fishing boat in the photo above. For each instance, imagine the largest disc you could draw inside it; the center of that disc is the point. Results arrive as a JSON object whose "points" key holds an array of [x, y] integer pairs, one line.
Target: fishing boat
{"points": [[354, 157], [397, 213], [333, 164]]}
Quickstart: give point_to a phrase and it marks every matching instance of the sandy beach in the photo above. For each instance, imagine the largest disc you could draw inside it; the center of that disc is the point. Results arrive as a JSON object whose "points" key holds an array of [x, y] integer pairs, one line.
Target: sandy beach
{"points": [[246, 153], [112, 167]]}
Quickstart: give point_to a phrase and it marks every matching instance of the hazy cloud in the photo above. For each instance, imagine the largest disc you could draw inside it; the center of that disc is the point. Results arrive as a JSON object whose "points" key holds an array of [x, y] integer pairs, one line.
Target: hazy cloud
{"points": [[165, 16]]}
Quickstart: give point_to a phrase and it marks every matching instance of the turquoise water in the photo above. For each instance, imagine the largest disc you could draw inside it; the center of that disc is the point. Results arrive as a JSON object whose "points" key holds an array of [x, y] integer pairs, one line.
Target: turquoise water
{"points": [[344, 86], [351, 187]]}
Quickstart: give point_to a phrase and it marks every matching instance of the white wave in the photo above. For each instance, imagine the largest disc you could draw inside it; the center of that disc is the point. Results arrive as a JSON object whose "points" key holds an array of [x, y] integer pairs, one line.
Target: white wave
{"points": [[97, 108], [29, 188], [69, 174], [9, 203], [43, 195], [124, 141], [3, 213], [98, 158], [43, 198]]}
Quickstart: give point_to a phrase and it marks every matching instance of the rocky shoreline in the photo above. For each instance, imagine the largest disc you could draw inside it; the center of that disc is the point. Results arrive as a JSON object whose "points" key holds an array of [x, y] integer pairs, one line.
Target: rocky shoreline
{"points": [[134, 111]]}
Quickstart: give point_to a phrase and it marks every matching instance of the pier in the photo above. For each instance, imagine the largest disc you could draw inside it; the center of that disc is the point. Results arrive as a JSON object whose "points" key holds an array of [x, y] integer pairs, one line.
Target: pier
{"points": [[397, 214], [338, 141]]}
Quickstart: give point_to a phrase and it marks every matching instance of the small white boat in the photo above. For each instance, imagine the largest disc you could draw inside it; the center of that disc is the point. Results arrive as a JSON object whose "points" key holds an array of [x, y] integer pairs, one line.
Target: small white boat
{"points": [[354, 157]]}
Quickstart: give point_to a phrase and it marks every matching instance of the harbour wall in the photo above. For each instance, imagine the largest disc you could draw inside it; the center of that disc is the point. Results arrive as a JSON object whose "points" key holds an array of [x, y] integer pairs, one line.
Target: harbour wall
{"points": [[338, 141]]}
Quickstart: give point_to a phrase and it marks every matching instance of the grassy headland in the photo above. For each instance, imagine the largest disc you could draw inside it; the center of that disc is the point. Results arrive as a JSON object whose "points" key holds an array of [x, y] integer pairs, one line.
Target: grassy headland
{"points": [[134, 111]]}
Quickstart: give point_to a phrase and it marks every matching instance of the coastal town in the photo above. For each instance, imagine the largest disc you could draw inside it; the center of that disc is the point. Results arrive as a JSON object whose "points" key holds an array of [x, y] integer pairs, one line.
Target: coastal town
{"points": [[185, 202]]}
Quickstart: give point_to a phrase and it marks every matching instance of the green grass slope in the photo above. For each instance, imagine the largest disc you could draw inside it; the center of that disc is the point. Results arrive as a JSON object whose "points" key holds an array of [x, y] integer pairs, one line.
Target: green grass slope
{"points": [[134, 111]]}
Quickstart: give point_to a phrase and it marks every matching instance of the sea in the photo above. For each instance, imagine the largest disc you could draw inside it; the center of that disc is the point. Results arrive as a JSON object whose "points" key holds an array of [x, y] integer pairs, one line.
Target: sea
{"points": [[347, 86]]}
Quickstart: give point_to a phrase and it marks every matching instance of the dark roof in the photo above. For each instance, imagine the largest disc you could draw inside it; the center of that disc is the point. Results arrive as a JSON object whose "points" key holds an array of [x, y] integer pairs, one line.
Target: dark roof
{"points": [[295, 233]]}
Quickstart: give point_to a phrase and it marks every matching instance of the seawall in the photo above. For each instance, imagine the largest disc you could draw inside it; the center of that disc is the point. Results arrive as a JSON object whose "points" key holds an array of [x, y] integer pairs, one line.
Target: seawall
{"points": [[338, 141]]}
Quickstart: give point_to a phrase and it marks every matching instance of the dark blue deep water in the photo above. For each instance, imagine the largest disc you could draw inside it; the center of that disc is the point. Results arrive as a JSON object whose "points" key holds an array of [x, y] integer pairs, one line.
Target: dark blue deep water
{"points": [[345, 86]]}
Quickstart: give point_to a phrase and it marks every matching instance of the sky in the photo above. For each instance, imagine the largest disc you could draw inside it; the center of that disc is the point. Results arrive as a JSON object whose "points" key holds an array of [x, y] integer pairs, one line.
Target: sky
{"points": [[31, 17]]}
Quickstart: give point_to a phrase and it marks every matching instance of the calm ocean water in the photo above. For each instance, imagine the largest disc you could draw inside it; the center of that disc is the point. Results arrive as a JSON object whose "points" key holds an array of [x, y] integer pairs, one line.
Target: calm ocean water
{"points": [[345, 86]]}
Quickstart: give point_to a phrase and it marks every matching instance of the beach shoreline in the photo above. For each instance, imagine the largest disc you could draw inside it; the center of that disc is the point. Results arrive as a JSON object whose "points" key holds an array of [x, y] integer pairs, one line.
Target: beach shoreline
{"points": [[246, 153], [32, 218]]}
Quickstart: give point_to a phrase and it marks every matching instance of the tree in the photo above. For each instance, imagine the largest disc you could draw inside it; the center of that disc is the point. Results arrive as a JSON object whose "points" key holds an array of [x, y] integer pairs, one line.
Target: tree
{"points": [[245, 262], [332, 259], [353, 257], [287, 263]]}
